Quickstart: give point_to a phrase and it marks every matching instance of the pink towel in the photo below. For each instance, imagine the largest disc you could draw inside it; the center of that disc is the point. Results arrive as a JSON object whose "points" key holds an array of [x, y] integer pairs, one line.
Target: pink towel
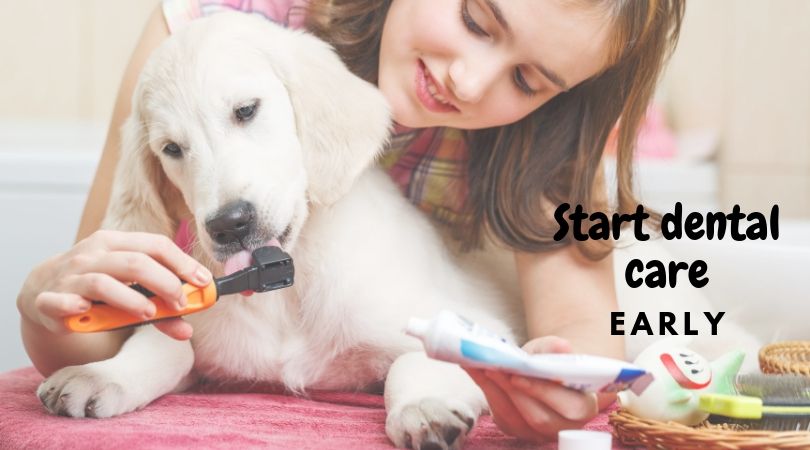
{"points": [[222, 419]]}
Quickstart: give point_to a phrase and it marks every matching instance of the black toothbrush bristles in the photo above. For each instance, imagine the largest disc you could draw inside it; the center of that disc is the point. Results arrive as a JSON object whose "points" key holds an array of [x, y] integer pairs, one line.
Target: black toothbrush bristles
{"points": [[767, 422]]}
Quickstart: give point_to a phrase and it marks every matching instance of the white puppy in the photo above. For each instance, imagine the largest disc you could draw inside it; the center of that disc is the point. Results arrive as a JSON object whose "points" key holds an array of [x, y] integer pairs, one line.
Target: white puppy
{"points": [[261, 135]]}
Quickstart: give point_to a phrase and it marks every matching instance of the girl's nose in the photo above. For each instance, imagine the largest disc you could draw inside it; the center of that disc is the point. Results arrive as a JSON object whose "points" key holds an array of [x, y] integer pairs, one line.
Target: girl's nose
{"points": [[471, 79]]}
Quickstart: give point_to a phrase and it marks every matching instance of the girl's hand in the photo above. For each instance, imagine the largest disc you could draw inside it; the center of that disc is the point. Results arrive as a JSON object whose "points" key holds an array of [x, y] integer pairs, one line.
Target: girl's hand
{"points": [[531, 408], [98, 267]]}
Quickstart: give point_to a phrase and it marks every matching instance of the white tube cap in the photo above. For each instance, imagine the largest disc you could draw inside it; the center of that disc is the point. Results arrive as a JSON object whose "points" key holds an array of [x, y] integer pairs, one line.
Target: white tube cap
{"points": [[584, 440], [417, 327]]}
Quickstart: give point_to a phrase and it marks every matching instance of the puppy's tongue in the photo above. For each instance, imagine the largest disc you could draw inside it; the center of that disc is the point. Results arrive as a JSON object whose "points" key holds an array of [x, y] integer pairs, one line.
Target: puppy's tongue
{"points": [[237, 262], [244, 258]]}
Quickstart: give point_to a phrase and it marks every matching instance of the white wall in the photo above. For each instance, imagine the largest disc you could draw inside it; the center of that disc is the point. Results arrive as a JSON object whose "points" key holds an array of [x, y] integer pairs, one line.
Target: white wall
{"points": [[42, 193], [64, 59], [742, 68]]}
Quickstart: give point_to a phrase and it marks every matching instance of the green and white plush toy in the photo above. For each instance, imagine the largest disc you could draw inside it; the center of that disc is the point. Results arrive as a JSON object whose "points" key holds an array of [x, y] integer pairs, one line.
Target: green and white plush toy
{"points": [[680, 376]]}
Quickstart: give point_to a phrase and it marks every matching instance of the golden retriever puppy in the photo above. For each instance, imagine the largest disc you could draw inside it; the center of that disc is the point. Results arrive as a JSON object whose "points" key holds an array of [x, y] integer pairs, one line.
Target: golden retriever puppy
{"points": [[260, 135]]}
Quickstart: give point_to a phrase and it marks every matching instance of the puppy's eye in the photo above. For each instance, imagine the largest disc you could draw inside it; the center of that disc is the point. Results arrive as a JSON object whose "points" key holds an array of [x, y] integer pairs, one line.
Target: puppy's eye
{"points": [[173, 150], [246, 112]]}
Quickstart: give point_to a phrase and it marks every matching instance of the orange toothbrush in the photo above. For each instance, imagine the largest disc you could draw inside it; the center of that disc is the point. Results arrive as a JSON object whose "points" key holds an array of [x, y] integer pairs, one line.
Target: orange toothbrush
{"points": [[272, 269]]}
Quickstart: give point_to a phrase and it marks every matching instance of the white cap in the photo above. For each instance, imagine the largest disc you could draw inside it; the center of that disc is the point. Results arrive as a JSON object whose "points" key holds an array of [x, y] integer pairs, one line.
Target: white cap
{"points": [[417, 327], [584, 440]]}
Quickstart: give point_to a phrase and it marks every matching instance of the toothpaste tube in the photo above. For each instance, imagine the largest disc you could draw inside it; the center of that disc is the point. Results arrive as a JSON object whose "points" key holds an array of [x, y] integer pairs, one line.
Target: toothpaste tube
{"points": [[452, 338]]}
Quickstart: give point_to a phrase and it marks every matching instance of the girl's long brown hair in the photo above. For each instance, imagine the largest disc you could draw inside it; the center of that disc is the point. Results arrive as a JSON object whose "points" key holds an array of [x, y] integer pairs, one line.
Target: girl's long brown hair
{"points": [[552, 156]]}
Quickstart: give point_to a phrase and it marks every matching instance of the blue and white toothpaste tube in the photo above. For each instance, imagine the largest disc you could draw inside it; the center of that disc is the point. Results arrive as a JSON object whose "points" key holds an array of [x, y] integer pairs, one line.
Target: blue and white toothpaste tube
{"points": [[452, 338]]}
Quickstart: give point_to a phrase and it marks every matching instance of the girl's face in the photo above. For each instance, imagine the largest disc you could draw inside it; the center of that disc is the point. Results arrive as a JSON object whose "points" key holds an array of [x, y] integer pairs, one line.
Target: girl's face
{"points": [[473, 64]]}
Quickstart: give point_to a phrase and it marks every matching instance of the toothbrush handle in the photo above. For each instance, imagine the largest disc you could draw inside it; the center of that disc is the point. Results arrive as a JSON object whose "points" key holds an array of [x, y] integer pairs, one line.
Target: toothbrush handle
{"points": [[103, 317]]}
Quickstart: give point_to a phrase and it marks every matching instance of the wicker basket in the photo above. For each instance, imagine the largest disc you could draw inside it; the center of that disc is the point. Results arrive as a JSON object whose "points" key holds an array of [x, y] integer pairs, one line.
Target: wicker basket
{"points": [[782, 357], [786, 357], [652, 434]]}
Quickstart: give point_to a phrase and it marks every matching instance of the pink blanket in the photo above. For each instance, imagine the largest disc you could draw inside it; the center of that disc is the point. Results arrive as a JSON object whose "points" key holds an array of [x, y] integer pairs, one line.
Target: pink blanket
{"points": [[222, 419]]}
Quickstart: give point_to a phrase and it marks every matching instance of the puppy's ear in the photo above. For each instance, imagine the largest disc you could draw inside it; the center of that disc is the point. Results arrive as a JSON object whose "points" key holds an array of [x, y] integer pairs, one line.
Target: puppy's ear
{"points": [[343, 122], [141, 191]]}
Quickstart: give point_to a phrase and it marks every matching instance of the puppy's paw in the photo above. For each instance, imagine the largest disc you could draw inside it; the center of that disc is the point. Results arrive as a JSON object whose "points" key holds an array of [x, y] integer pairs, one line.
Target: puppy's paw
{"points": [[84, 391], [430, 424]]}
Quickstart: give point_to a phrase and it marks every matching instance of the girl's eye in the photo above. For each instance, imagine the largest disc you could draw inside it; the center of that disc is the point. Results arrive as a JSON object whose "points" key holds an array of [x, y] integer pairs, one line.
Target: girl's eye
{"points": [[247, 112], [471, 24], [173, 150], [521, 83], [476, 29]]}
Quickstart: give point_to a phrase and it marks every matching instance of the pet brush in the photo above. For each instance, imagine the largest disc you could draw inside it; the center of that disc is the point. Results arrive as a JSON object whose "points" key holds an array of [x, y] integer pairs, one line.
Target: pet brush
{"points": [[272, 269], [764, 402]]}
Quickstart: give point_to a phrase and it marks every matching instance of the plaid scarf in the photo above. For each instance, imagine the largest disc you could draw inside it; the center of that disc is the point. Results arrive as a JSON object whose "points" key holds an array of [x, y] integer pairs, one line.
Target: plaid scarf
{"points": [[429, 166]]}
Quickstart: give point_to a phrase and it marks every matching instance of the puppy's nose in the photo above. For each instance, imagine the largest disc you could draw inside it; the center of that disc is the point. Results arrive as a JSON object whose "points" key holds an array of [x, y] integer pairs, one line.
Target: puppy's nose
{"points": [[232, 223]]}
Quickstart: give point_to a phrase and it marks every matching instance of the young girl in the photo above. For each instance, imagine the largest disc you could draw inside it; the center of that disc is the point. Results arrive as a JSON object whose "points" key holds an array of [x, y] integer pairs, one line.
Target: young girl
{"points": [[502, 110]]}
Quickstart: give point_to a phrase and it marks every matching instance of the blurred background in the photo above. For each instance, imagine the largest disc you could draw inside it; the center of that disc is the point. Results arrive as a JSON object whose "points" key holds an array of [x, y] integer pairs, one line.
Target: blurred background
{"points": [[730, 125]]}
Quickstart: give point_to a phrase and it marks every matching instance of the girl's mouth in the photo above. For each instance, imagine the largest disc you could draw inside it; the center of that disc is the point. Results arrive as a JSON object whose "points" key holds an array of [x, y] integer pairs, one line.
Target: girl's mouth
{"points": [[429, 93]]}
